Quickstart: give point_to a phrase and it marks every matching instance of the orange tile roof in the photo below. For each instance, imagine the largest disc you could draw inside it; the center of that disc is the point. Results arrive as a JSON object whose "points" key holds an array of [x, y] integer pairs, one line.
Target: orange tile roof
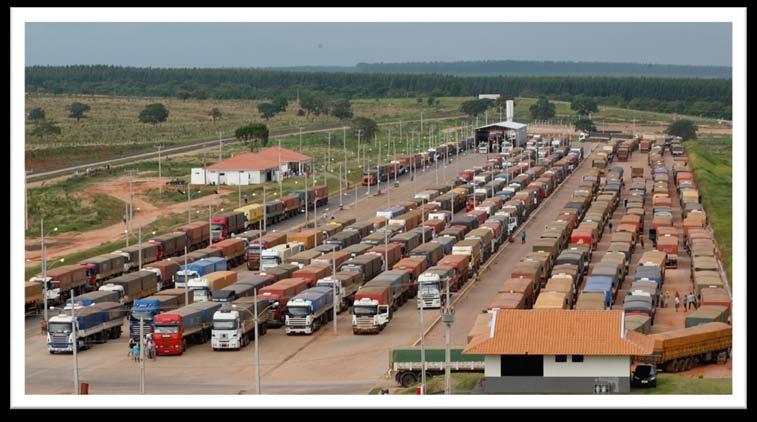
{"points": [[265, 159], [560, 332]]}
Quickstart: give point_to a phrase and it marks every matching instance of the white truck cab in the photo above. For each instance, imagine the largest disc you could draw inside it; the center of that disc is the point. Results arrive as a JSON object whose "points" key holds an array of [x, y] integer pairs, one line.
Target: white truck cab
{"points": [[228, 330], [368, 315], [278, 254], [110, 287]]}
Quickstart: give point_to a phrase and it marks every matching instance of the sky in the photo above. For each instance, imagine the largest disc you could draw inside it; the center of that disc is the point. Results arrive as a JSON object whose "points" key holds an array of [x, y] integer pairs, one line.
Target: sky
{"points": [[346, 44]]}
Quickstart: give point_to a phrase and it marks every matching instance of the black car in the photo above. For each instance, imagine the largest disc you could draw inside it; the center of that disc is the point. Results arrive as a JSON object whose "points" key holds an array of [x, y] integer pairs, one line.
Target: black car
{"points": [[644, 376]]}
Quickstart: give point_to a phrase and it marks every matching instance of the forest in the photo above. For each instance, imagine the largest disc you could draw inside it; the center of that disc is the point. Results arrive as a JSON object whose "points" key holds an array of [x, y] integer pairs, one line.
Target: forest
{"points": [[696, 96]]}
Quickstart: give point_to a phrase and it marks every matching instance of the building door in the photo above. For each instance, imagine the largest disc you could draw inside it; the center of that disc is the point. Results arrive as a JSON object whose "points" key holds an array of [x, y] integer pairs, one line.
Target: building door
{"points": [[221, 178], [522, 365]]}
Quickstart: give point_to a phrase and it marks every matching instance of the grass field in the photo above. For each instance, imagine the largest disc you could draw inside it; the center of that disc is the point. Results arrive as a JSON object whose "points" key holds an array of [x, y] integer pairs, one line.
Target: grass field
{"points": [[711, 160], [681, 384], [112, 128], [462, 383]]}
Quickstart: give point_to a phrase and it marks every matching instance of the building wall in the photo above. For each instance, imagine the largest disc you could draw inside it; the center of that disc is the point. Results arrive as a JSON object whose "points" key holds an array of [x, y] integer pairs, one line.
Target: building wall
{"points": [[492, 366], [602, 366], [197, 176], [555, 385]]}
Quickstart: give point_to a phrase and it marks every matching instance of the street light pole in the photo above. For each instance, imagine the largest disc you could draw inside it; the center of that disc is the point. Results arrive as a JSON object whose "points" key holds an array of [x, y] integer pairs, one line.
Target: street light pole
{"points": [[141, 355], [140, 249], [44, 265], [76, 342], [257, 346], [423, 355], [210, 224], [186, 281]]}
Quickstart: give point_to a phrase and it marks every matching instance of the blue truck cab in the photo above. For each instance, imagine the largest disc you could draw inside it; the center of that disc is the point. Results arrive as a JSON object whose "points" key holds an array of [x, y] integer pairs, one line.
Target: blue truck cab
{"points": [[600, 283], [146, 309]]}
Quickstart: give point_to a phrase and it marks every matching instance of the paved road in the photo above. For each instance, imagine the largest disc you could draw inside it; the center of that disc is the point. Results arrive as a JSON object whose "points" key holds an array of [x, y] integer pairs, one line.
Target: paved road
{"points": [[193, 146]]}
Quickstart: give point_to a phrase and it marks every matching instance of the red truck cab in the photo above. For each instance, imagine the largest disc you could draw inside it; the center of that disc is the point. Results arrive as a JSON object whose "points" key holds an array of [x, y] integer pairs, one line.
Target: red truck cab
{"points": [[168, 334], [460, 264]]}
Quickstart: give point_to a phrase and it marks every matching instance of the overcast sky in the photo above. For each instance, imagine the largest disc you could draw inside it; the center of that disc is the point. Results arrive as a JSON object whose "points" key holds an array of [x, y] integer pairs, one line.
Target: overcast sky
{"points": [[345, 44]]}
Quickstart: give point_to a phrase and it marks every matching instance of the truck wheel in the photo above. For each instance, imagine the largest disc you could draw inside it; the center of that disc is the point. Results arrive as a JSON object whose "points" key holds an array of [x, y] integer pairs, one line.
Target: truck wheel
{"points": [[407, 379], [330, 316]]}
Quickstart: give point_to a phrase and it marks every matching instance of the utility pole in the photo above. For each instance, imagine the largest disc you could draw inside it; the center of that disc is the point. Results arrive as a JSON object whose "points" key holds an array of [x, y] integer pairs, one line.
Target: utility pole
{"points": [[189, 206], [130, 211], [423, 355], [281, 180], [186, 281], [306, 195], [160, 173], [448, 318], [333, 285], [140, 249], [76, 342], [210, 224], [257, 344], [141, 355], [239, 190]]}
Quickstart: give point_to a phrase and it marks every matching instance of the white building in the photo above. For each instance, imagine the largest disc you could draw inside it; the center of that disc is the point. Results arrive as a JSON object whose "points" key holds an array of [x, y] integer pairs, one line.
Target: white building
{"points": [[494, 97], [252, 168], [515, 133], [558, 351]]}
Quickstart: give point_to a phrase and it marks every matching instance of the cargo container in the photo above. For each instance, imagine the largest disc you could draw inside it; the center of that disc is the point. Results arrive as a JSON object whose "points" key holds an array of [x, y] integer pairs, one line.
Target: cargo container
{"points": [[233, 250], [552, 300], [398, 281], [715, 296], [332, 258], [279, 294], [103, 267], [61, 280], [274, 211], [406, 364], [137, 255], [203, 287], [170, 244], [390, 253], [224, 225], [281, 272], [313, 273], [591, 301], [308, 238], [253, 215], [456, 232], [235, 291], [257, 246], [430, 252], [343, 239], [682, 349], [426, 233], [165, 271], [523, 286], [133, 286], [705, 314], [409, 241], [470, 248], [362, 228], [507, 301], [198, 235], [414, 266], [198, 269]]}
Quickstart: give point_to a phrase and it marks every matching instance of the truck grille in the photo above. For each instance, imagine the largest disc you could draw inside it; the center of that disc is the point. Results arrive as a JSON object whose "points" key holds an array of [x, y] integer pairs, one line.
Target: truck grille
{"points": [[59, 339], [297, 322], [428, 302], [364, 323]]}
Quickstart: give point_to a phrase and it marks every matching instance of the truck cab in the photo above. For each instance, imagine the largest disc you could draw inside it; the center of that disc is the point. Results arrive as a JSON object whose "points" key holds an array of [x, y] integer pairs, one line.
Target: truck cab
{"points": [[277, 255], [368, 315], [431, 286], [146, 309]]}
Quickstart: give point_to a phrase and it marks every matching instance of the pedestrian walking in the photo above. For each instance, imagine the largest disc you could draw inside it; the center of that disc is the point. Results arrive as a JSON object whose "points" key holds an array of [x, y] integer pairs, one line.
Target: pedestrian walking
{"points": [[151, 349], [678, 303], [625, 203], [641, 240], [692, 300], [610, 226], [523, 237], [43, 326]]}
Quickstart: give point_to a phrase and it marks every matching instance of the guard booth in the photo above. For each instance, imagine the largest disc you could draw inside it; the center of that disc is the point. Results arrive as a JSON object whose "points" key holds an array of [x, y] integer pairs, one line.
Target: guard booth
{"points": [[513, 133]]}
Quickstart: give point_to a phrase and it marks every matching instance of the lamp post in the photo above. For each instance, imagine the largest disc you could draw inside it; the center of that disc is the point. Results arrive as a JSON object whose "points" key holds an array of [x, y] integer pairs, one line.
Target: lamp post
{"points": [[333, 284], [257, 346], [44, 263], [423, 354]]}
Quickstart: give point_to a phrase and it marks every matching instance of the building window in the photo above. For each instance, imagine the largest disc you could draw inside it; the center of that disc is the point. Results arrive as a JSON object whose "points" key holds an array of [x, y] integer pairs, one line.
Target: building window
{"points": [[522, 365], [561, 358], [577, 358]]}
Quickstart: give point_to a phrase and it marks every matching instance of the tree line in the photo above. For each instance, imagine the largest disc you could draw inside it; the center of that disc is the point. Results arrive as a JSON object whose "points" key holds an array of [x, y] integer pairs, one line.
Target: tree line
{"points": [[706, 97]]}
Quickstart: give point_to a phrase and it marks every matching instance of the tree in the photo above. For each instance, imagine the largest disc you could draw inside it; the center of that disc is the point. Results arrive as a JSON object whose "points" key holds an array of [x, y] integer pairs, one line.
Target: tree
{"points": [[313, 104], [342, 110], [77, 110], [366, 126], [584, 125], [281, 103], [183, 95], [474, 107], [153, 113], [215, 113], [583, 105], [419, 101], [300, 112], [36, 114], [253, 133], [542, 109], [686, 129], [267, 110], [45, 128], [431, 101]]}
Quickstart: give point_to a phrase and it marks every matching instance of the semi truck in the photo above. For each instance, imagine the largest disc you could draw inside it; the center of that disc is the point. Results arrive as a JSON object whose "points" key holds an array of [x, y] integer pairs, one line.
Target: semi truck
{"points": [[93, 324], [398, 281], [170, 244], [259, 245], [432, 286], [61, 280], [309, 310], [131, 254], [431, 252], [165, 271], [202, 287], [103, 267], [313, 273], [372, 309], [190, 324], [347, 284], [198, 234], [234, 324], [406, 364], [133, 286], [233, 250], [147, 308], [368, 266], [684, 348], [223, 226], [198, 269], [279, 294], [279, 254], [96, 297], [343, 239]]}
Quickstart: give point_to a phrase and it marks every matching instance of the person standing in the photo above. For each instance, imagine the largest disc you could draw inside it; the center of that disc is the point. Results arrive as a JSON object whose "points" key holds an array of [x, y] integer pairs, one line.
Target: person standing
{"points": [[641, 240], [43, 326], [135, 352], [677, 302], [523, 237]]}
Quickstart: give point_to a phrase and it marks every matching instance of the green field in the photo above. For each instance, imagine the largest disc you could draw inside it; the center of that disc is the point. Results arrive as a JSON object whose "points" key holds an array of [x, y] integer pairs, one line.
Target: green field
{"points": [[711, 160], [112, 129], [462, 383], [681, 384]]}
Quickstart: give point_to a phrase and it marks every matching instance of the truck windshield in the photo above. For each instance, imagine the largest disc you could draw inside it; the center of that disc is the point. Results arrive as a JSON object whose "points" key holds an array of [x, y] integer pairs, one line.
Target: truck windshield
{"points": [[166, 329], [429, 290], [201, 295], [270, 262], [59, 327], [180, 277], [216, 228], [298, 311], [146, 316], [229, 324], [364, 310]]}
